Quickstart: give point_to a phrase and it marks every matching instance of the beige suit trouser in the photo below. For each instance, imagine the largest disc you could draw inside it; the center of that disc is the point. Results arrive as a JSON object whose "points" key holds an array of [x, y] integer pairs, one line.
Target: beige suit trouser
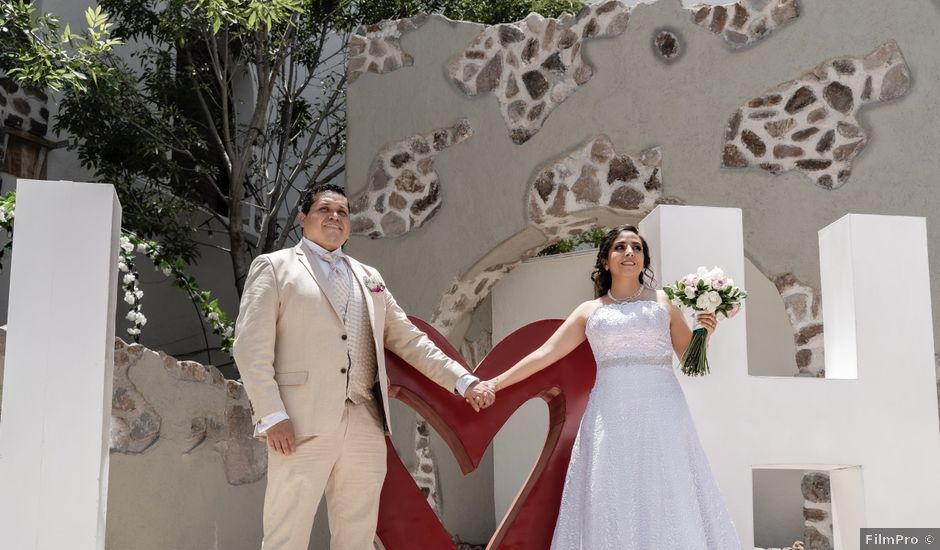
{"points": [[349, 464]]}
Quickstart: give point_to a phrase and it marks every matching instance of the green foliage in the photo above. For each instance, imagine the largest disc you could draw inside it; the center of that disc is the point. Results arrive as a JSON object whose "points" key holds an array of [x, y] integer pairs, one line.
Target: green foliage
{"points": [[219, 107], [171, 266], [490, 12], [493, 12], [167, 131], [593, 236], [38, 52]]}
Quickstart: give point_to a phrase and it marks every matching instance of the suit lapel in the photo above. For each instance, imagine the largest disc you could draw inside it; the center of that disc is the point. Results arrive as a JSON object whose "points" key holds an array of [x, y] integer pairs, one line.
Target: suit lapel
{"points": [[309, 260]]}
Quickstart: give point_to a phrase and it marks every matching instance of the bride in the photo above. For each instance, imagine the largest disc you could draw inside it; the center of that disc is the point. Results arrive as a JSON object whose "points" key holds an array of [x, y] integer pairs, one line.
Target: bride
{"points": [[638, 477]]}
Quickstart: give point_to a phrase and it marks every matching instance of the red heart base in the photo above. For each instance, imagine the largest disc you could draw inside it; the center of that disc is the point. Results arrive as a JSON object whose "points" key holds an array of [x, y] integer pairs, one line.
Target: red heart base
{"points": [[406, 521]]}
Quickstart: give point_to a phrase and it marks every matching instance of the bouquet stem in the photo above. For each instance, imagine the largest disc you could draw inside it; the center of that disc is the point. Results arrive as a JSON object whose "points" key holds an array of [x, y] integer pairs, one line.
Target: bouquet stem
{"points": [[695, 360]]}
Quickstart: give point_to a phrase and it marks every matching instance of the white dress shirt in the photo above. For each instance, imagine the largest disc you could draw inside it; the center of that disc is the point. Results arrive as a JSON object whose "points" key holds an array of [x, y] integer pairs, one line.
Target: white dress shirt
{"points": [[265, 423]]}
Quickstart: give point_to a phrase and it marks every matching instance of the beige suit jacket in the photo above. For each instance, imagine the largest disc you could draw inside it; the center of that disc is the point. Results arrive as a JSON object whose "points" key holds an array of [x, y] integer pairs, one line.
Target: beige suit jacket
{"points": [[290, 341]]}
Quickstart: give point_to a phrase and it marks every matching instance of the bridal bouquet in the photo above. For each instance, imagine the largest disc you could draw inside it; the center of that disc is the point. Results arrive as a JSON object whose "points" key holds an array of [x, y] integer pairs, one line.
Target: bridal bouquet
{"points": [[710, 292]]}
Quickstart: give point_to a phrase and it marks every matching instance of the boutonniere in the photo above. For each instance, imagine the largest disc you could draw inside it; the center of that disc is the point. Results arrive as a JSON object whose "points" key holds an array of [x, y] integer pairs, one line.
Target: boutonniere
{"points": [[374, 284]]}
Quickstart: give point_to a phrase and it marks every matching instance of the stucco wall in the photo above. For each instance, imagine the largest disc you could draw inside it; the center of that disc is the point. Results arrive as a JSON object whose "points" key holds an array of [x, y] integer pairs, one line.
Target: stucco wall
{"points": [[639, 101], [185, 472]]}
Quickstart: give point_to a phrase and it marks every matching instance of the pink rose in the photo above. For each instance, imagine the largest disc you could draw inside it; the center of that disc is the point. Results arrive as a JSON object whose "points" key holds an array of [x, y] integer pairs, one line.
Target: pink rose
{"points": [[719, 283]]}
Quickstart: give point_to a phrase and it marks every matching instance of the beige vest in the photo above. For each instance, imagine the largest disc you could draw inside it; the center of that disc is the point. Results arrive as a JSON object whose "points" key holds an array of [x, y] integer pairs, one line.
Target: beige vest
{"points": [[360, 344]]}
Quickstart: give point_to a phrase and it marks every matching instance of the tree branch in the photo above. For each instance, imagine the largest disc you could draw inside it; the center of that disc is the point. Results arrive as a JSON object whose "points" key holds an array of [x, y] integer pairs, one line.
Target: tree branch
{"points": [[210, 123]]}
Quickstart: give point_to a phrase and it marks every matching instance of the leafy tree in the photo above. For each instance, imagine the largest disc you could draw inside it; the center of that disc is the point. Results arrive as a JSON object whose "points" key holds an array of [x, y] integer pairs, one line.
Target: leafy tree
{"points": [[211, 115], [183, 122], [37, 51]]}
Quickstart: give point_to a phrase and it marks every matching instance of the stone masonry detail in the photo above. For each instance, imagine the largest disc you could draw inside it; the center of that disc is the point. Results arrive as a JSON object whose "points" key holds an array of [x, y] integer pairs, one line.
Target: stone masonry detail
{"points": [[803, 304], [562, 194], [230, 430], [404, 191], [532, 66], [667, 45], [817, 511], [377, 48], [22, 108], [135, 425], [745, 22], [214, 410], [591, 176], [809, 124]]}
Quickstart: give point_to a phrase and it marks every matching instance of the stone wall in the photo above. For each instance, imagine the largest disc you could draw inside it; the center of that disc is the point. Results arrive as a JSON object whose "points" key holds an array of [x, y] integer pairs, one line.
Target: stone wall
{"points": [[879, 158], [24, 108], [185, 472], [21, 108], [817, 511]]}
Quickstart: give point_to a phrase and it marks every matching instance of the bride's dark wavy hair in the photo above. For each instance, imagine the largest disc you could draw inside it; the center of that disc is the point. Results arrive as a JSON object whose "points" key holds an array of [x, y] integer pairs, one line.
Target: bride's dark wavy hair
{"points": [[601, 276]]}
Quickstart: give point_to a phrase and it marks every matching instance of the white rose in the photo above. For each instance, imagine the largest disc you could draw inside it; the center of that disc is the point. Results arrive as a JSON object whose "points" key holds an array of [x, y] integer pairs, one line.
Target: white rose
{"points": [[701, 271], [129, 278], [141, 320], [139, 293], [228, 332], [122, 267], [127, 247], [143, 248], [133, 331], [167, 271], [689, 292], [129, 298], [131, 316], [729, 281], [213, 316], [716, 273], [709, 301]]}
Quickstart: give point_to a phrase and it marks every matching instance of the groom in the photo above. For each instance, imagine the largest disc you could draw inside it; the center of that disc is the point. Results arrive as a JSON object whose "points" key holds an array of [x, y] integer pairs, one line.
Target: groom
{"points": [[309, 344]]}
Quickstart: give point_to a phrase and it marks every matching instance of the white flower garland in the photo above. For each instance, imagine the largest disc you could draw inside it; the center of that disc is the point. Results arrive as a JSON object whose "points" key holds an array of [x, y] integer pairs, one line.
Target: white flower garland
{"points": [[174, 267]]}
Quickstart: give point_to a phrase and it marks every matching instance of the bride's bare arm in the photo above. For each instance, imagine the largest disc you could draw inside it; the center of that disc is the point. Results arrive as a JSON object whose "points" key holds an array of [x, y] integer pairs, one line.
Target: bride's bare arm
{"points": [[568, 336], [679, 330]]}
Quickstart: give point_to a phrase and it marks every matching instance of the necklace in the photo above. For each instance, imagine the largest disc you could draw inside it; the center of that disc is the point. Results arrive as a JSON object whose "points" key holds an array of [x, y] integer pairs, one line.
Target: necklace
{"points": [[628, 298]]}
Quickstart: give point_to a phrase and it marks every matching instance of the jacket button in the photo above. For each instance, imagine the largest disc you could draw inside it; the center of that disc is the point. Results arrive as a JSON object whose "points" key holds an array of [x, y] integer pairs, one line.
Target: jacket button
{"points": [[344, 337], [343, 370]]}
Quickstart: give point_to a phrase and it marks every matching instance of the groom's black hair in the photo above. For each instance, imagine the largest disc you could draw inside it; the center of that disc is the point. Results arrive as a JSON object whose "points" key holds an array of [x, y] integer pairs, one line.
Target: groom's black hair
{"points": [[310, 194]]}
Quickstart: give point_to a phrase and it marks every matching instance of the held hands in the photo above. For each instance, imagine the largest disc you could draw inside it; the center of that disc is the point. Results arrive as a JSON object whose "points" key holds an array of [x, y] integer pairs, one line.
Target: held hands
{"points": [[481, 395], [281, 437]]}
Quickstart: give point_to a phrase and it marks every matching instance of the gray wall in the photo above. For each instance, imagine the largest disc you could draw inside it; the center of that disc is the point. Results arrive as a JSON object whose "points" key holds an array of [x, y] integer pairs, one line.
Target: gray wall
{"points": [[640, 102]]}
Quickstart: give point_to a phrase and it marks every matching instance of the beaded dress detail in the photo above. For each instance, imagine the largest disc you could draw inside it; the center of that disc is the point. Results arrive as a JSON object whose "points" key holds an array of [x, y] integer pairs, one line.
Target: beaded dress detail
{"points": [[638, 477]]}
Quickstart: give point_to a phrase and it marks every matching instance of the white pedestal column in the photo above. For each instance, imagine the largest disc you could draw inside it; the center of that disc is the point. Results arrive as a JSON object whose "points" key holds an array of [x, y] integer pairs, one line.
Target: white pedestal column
{"points": [[54, 436]]}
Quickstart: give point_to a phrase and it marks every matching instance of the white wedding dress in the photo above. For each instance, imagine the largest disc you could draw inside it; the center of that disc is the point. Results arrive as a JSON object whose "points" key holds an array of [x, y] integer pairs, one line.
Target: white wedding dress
{"points": [[638, 477]]}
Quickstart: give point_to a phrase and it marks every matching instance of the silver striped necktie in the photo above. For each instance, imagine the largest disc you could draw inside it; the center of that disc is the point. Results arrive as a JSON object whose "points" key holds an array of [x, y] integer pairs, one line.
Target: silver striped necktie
{"points": [[338, 280]]}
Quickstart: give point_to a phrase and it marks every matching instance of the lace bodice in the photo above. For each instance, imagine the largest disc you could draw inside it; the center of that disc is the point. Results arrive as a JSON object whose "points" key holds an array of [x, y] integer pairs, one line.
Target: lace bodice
{"points": [[630, 333]]}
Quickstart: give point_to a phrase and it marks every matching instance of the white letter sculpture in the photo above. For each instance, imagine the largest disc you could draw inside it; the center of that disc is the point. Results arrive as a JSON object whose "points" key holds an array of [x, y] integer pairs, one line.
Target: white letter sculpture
{"points": [[54, 436]]}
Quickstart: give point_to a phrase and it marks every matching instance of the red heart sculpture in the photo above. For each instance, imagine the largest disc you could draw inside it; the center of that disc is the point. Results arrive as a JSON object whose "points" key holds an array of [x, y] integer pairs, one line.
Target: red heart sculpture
{"points": [[406, 521]]}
